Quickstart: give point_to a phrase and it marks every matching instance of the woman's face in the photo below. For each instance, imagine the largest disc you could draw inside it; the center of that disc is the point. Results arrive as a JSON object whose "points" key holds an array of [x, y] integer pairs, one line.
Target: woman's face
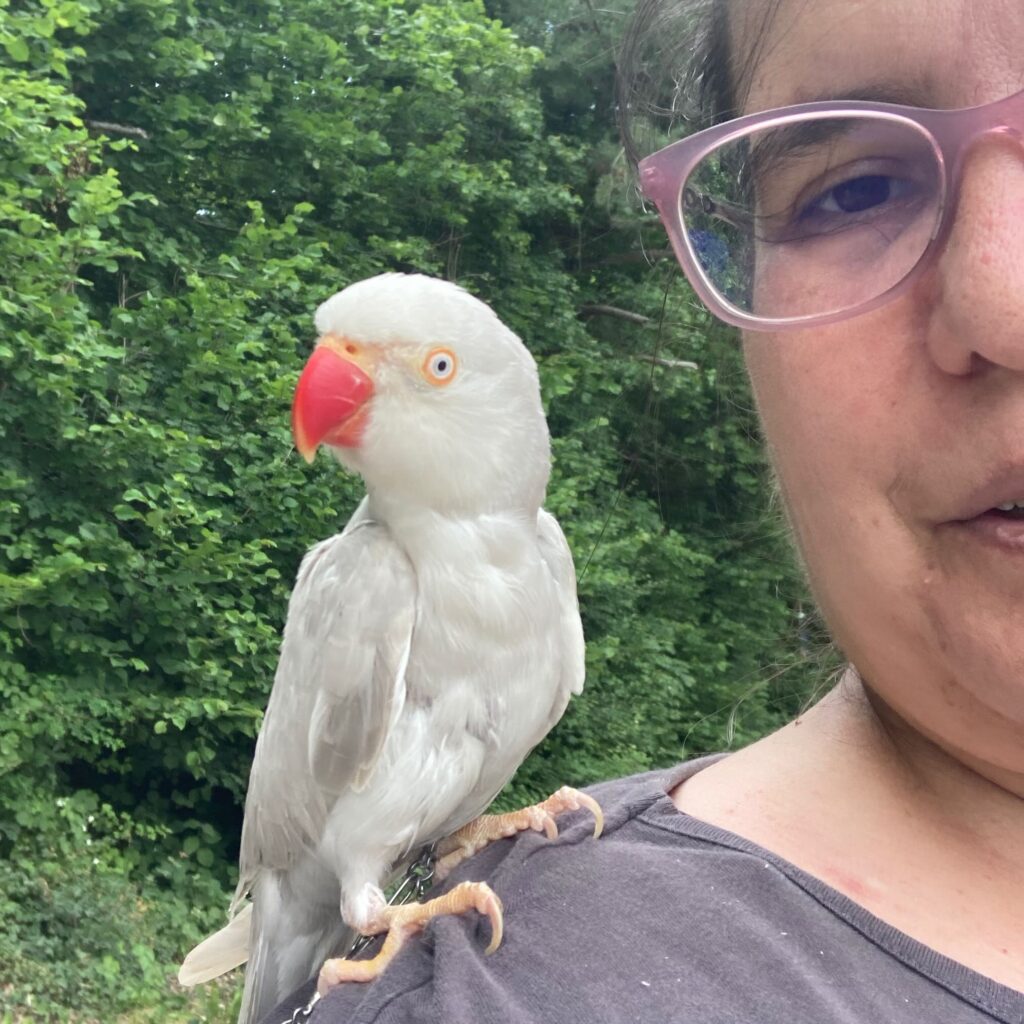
{"points": [[888, 431]]}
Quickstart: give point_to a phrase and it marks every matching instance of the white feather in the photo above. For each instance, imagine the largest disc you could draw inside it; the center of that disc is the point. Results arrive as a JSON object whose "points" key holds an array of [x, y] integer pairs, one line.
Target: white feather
{"points": [[219, 953]]}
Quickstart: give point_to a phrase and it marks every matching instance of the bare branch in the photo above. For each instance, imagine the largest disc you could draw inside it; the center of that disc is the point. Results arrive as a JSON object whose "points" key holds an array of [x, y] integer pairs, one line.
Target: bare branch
{"points": [[118, 129], [668, 364], [599, 309]]}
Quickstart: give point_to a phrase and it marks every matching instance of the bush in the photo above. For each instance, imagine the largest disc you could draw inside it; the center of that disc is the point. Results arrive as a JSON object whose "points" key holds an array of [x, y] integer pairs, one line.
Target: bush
{"points": [[180, 186], [85, 935]]}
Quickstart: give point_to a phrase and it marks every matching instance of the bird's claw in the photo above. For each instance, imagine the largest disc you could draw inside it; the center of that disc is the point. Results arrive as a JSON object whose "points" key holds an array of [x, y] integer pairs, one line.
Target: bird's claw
{"points": [[537, 818], [569, 799], [409, 919]]}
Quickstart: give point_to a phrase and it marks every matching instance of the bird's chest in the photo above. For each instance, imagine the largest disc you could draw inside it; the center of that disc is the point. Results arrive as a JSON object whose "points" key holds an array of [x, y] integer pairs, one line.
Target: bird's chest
{"points": [[483, 652]]}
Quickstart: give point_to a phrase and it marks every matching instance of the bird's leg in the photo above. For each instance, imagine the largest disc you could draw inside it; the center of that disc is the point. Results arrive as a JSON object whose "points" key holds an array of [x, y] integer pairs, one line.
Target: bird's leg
{"points": [[488, 827], [400, 922]]}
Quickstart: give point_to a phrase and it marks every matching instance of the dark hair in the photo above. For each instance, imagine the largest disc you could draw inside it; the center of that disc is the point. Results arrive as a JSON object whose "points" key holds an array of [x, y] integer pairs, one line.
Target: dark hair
{"points": [[676, 66]]}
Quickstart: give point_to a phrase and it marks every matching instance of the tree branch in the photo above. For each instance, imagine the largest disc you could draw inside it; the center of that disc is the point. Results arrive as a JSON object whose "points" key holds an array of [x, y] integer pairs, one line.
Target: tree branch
{"points": [[599, 309], [668, 364], [118, 129]]}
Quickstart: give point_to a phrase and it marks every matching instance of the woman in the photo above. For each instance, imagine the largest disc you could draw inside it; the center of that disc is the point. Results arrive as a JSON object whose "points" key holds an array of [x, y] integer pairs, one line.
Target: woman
{"points": [[865, 862]]}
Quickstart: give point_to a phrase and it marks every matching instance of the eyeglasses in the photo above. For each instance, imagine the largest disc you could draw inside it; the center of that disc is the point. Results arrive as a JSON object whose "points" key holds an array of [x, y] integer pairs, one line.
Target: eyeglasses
{"points": [[814, 213]]}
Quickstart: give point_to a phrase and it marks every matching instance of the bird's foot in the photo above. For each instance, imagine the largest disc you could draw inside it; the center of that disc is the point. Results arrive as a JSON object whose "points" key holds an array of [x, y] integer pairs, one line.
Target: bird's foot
{"points": [[488, 827], [408, 919]]}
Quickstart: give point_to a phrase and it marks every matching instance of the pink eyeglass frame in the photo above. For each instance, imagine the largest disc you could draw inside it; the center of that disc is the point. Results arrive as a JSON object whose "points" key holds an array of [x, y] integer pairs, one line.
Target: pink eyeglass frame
{"points": [[950, 133]]}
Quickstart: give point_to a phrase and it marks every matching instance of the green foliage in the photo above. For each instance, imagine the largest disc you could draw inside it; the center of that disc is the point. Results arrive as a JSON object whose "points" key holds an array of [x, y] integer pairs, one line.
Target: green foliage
{"points": [[75, 887], [180, 185]]}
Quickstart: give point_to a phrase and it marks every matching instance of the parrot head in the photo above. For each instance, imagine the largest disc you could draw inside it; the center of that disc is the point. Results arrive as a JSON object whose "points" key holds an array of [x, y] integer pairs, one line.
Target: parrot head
{"points": [[422, 390]]}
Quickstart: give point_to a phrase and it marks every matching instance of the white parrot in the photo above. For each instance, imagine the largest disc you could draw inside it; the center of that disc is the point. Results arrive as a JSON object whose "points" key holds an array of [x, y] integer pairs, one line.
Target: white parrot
{"points": [[428, 647]]}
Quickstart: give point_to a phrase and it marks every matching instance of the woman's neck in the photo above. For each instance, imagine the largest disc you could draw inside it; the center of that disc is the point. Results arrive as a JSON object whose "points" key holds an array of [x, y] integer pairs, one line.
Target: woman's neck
{"points": [[949, 789], [854, 797]]}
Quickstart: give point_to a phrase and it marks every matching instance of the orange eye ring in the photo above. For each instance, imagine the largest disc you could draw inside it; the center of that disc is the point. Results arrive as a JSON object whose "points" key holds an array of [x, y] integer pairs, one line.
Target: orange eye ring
{"points": [[439, 367]]}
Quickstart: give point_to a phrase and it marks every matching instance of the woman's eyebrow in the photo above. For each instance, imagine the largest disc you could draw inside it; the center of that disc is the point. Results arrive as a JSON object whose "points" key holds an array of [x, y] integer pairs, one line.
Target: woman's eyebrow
{"points": [[907, 94], [787, 143]]}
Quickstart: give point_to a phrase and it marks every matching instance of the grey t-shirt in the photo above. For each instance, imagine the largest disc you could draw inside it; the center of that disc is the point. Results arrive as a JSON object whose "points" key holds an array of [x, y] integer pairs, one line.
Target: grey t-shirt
{"points": [[664, 919]]}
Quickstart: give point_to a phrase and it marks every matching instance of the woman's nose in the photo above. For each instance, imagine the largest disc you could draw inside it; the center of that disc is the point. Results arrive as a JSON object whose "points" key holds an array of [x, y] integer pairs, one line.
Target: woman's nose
{"points": [[978, 311]]}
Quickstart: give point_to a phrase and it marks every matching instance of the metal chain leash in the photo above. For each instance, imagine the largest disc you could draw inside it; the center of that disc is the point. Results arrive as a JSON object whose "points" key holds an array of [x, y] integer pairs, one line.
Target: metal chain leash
{"points": [[302, 1013], [414, 886]]}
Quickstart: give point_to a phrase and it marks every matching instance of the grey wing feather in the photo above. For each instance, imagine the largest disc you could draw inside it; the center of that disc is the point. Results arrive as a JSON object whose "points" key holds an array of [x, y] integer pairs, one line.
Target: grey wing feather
{"points": [[555, 551], [339, 686]]}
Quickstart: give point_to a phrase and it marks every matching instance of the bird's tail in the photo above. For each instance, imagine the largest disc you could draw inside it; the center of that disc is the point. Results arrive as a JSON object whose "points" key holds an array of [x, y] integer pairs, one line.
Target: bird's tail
{"points": [[289, 941], [220, 952]]}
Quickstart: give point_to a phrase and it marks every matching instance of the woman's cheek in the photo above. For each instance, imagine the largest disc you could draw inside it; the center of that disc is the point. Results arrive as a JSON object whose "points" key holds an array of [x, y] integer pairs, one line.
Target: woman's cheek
{"points": [[838, 447]]}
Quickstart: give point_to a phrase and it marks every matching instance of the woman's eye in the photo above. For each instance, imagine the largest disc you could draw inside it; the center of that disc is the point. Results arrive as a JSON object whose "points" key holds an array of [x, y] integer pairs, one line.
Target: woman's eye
{"points": [[862, 193], [856, 200], [439, 366], [886, 203]]}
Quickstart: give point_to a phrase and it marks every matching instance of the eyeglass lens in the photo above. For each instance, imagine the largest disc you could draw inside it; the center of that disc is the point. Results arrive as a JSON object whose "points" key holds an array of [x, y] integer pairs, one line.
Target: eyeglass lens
{"points": [[813, 216]]}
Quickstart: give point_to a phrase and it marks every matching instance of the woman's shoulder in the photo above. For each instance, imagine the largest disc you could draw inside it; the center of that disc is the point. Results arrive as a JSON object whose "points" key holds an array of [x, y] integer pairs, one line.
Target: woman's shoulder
{"points": [[663, 918]]}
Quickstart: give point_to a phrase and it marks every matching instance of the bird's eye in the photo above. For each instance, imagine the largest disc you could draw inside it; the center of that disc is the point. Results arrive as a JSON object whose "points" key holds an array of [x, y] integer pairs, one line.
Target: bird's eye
{"points": [[439, 366]]}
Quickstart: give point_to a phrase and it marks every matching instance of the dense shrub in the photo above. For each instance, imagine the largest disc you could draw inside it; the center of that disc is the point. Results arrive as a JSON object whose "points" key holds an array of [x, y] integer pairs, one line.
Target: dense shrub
{"points": [[180, 185]]}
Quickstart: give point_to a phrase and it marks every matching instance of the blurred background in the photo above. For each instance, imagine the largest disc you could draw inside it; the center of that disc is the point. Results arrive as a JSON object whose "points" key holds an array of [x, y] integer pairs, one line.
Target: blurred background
{"points": [[181, 183]]}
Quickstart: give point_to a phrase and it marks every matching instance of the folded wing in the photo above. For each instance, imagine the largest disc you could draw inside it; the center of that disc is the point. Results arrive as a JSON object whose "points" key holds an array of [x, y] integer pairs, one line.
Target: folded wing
{"points": [[555, 551], [340, 685]]}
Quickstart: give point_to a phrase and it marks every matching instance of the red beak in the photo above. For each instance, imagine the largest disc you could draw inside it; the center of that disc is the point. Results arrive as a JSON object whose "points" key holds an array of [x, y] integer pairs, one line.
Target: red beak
{"points": [[329, 403]]}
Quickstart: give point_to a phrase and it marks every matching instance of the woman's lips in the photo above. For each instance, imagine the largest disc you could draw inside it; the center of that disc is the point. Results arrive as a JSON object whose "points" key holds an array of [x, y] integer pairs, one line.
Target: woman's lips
{"points": [[1004, 485], [995, 528]]}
